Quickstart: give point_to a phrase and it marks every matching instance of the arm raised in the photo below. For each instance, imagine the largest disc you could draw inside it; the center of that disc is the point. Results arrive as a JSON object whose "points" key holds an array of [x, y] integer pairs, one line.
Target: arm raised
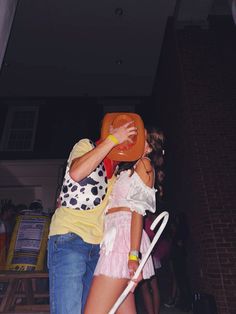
{"points": [[82, 166]]}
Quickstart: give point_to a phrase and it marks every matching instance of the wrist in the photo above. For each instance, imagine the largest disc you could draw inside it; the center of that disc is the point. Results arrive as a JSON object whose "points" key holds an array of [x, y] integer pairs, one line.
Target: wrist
{"points": [[133, 258], [113, 139], [134, 255], [134, 252]]}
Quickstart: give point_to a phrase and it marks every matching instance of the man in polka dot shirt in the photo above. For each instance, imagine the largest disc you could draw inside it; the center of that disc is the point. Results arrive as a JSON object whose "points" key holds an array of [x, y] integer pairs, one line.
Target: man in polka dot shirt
{"points": [[76, 228]]}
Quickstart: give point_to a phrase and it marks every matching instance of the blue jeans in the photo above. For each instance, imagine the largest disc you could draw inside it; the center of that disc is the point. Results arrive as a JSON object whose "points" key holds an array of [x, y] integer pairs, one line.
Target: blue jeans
{"points": [[71, 263]]}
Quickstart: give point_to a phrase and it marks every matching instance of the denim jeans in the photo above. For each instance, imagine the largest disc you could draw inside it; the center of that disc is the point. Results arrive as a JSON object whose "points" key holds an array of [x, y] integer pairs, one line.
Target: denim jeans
{"points": [[71, 263]]}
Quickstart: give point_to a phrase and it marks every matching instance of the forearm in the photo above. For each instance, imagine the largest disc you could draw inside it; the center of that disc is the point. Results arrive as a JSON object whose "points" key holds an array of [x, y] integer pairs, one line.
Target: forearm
{"points": [[136, 231], [81, 167], [135, 241]]}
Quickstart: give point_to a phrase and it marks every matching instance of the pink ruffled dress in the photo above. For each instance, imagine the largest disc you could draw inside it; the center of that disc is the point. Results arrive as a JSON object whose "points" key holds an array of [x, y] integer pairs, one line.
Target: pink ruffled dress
{"points": [[128, 191]]}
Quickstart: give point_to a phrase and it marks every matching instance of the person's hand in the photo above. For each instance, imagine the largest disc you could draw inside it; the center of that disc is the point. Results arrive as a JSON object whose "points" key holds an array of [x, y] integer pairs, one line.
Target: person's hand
{"points": [[133, 265], [124, 132]]}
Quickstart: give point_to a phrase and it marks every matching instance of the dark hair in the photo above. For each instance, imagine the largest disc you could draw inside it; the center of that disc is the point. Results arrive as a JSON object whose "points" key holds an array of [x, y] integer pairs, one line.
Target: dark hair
{"points": [[36, 205], [125, 165], [155, 139]]}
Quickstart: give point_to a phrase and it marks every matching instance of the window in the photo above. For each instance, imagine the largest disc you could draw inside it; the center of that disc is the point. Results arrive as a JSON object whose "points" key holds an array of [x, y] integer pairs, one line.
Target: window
{"points": [[20, 128]]}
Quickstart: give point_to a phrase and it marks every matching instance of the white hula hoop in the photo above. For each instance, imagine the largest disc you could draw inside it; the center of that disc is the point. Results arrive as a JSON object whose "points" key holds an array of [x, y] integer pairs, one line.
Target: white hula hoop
{"points": [[165, 216]]}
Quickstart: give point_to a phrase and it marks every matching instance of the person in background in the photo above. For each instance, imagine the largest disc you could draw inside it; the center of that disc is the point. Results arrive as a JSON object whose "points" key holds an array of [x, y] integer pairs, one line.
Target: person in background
{"points": [[7, 223], [180, 289], [76, 228], [149, 288], [8, 218], [125, 240], [3, 248], [36, 206]]}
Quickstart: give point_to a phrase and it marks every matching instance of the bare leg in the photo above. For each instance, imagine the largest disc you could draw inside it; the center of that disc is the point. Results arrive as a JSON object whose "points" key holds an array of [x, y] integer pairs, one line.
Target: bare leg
{"points": [[155, 295], [147, 296], [128, 306], [174, 290], [103, 294]]}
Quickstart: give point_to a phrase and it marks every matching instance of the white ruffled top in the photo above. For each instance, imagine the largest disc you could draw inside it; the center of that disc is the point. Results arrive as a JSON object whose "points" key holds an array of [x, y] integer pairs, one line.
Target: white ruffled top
{"points": [[131, 191]]}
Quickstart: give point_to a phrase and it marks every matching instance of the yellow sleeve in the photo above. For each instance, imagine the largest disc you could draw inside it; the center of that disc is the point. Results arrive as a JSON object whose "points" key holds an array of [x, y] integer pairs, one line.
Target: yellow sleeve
{"points": [[79, 149]]}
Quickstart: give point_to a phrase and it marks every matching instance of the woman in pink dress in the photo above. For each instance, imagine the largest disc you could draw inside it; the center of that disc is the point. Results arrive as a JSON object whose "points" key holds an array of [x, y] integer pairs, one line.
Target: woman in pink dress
{"points": [[124, 239]]}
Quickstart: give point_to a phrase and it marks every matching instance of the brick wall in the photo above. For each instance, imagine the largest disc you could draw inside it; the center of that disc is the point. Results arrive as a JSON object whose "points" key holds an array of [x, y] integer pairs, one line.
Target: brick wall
{"points": [[202, 141]]}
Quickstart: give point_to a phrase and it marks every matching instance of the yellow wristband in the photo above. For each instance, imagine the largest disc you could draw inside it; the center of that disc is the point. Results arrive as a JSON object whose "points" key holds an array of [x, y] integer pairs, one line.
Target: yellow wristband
{"points": [[112, 138], [133, 258]]}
